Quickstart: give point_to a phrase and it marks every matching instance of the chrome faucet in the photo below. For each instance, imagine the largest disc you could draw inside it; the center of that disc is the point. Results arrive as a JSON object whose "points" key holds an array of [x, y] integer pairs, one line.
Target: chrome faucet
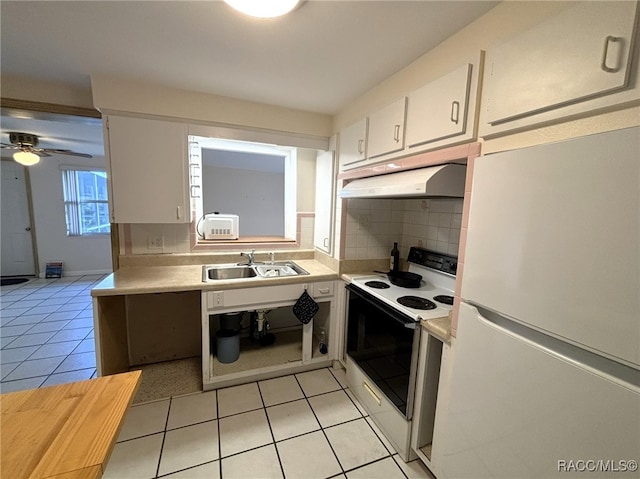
{"points": [[249, 257]]}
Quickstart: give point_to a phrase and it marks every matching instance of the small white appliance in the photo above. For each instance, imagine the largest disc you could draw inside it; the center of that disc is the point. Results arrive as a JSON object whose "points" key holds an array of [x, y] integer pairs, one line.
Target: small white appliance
{"points": [[217, 226]]}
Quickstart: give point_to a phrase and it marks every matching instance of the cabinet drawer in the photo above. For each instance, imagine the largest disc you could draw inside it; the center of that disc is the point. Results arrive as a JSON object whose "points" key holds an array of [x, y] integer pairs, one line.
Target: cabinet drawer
{"points": [[322, 289]]}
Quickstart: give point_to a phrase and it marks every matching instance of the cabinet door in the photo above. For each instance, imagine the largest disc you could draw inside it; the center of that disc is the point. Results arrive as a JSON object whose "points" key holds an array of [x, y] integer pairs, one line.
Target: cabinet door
{"points": [[386, 129], [581, 53], [353, 145], [439, 110], [324, 201], [148, 166]]}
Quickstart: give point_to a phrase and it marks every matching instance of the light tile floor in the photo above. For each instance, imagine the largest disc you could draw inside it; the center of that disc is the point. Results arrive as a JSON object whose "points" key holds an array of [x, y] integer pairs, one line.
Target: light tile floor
{"points": [[305, 426], [46, 332]]}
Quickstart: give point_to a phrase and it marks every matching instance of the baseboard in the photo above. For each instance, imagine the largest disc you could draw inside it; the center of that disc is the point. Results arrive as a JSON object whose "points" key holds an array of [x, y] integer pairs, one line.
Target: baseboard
{"points": [[42, 274]]}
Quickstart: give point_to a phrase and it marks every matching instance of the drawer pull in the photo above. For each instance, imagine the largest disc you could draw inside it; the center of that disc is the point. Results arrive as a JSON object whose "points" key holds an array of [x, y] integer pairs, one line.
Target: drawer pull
{"points": [[375, 397], [455, 112], [323, 290]]}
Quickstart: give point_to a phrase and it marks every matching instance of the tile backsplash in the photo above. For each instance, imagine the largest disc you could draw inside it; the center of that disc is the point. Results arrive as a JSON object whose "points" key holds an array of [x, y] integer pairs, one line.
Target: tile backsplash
{"points": [[373, 225]]}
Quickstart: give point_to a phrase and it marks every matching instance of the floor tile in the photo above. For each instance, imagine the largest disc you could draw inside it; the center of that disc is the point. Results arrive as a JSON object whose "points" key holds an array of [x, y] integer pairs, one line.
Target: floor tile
{"points": [[385, 469], [45, 309], [355, 401], [340, 375], [144, 419], [334, 408], [135, 459], [69, 377], [414, 469], [210, 470], [189, 446], [291, 419], [80, 323], [47, 327], [192, 409], [244, 431], [85, 313], [85, 346], [28, 319], [77, 361], [380, 435], [260, 463], [317, 382], [15, 355], [16, 312], [6, 368], [319, 462], [35, 368], [355, 444], [5, 343], [21, 384], [25, 303], [37, 339], [238, 399], [70, 335], [279, 390], [17, 330], [54, 349], [61, 316], [71, 307]]}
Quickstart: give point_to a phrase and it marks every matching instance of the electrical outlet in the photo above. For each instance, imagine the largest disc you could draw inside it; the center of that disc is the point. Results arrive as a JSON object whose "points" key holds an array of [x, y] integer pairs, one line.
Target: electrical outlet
{"points": [[364, 221], [155, 242]]}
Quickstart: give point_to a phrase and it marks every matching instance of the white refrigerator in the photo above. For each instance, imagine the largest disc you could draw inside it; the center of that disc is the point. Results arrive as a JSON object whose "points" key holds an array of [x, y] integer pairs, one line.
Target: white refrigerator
{"points": [[543, 379]]}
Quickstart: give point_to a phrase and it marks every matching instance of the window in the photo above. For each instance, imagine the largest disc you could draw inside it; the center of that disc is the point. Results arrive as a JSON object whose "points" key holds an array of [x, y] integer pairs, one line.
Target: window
{"points": [[85, 201]]}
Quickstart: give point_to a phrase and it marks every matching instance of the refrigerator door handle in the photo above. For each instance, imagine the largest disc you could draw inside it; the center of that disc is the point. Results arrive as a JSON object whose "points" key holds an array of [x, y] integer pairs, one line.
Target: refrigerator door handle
{"points": [[618, 372]]}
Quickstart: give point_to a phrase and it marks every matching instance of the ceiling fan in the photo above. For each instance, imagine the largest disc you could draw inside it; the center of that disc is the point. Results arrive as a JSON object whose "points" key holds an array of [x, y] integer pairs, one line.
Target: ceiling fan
{"points": [[28, 154]]}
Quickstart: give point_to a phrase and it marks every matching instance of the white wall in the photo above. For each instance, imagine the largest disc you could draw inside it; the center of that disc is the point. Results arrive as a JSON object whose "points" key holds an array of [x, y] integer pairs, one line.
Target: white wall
{"points": [[81, 255]]}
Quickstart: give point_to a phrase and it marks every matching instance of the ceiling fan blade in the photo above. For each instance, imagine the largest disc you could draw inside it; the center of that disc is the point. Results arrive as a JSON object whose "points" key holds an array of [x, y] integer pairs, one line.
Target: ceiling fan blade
{"points": [[8, 147], [65, 152], [40, 153]]}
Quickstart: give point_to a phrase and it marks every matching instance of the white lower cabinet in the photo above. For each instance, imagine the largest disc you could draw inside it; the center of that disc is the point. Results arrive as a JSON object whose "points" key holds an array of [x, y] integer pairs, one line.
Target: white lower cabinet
{"points": [[296, 347]]}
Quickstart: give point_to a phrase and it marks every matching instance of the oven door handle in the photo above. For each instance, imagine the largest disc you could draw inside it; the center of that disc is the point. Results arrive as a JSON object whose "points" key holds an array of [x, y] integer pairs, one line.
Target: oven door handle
{"points": [[403, 319]]}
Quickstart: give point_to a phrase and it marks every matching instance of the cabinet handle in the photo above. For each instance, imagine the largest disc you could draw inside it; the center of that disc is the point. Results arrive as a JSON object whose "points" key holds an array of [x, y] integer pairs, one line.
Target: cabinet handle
{"points": [[178, 212], [455, 111], [605, 53], [396, 133], [325, 242], [360, 145], [323, 290]]}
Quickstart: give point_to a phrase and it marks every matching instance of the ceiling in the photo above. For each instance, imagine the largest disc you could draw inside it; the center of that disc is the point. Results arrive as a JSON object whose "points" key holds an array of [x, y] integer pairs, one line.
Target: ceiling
{"points": [[319, 58]]}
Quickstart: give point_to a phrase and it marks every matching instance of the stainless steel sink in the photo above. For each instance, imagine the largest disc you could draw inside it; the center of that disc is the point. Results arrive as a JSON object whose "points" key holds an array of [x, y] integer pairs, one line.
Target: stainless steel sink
{"points": [[220, 272], [280, 268], [262, 270]]}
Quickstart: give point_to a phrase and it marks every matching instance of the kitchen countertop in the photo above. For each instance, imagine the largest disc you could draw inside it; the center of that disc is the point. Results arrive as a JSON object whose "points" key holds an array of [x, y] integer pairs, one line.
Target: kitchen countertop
{"points": [[438, 327], [166, 279], [64, 431]]}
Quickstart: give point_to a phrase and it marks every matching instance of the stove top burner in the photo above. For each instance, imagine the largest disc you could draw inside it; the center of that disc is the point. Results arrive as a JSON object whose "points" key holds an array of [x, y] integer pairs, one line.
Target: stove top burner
{"points": [[377, 284], [444, 299], [416, 302]]}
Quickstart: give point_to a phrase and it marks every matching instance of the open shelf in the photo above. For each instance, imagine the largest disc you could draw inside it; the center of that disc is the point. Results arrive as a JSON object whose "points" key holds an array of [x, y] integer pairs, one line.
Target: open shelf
{"points": [[287, 348]]}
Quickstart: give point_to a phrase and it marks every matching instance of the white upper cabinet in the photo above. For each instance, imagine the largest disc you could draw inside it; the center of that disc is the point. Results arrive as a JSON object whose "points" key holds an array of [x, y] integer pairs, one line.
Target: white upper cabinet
{"points": [[564, 65], [386, 129], [148, 170], [353, 145], [438, 110], [325, 195]]}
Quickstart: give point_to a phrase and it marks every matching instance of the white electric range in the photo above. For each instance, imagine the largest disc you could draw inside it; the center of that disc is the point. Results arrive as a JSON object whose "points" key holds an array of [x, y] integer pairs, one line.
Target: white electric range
{"points": [[432, 299]]}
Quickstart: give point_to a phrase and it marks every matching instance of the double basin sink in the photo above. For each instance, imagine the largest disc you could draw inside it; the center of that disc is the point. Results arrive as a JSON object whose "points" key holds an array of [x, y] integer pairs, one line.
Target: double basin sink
{"points": [[278, 269]]}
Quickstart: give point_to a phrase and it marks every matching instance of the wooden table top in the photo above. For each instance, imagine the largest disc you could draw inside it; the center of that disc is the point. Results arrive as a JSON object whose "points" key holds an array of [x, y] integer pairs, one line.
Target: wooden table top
{"points": [[66, 431]]}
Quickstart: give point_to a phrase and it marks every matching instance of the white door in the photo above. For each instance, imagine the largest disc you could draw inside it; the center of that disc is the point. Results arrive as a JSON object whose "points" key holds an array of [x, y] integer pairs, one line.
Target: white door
{"points": [[17, 248], [386, 129]]}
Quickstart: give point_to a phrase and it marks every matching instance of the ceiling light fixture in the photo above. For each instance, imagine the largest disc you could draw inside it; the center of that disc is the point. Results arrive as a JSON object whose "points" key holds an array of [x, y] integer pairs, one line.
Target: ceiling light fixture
{"points": [[263, 8], [26, 158]]}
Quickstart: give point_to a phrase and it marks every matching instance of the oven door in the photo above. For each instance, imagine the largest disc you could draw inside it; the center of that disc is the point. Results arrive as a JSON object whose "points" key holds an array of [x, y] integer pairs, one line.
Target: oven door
{"points": [[384, 343]]}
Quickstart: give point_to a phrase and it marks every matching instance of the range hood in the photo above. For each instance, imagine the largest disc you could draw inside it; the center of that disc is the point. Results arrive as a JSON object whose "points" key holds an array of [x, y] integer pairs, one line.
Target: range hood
{"points": [[434, 181]]}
